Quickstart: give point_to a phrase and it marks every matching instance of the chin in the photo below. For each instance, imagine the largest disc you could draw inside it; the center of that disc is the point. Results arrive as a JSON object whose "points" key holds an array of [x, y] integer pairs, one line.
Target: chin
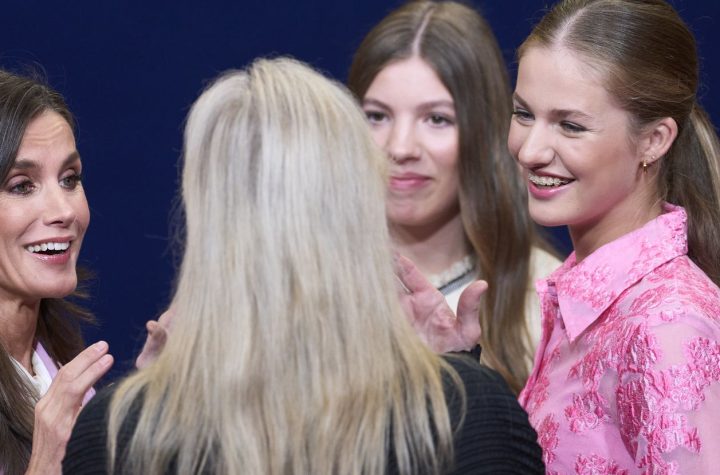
{"points": [[547, 219], [59, 290]]}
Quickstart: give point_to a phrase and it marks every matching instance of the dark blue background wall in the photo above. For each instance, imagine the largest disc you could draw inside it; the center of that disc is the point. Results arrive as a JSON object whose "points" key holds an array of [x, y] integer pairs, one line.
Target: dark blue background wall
{"points": [[131, 70]]}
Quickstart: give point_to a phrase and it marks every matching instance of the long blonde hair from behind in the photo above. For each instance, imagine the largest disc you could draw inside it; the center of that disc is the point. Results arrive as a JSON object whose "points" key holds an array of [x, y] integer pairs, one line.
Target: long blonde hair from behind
{"points": [[289, 351]]}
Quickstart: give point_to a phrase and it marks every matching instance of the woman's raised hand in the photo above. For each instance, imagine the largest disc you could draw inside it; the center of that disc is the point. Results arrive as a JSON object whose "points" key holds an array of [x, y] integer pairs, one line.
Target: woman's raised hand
{"points": [[431, 316], [56, 411]]}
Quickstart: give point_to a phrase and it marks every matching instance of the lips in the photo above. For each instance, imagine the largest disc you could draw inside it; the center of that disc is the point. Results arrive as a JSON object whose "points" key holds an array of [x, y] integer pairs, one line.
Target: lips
{"points": [[408, 181], [51, 251]]}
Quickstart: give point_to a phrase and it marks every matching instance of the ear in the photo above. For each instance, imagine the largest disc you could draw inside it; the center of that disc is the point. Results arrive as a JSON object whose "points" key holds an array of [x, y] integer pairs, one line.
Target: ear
{"points": [[657, 139]]}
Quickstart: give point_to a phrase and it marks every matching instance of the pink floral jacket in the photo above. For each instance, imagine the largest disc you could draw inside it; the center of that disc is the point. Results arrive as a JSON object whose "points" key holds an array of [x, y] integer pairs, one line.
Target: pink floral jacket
{"points": [[626, 376]]}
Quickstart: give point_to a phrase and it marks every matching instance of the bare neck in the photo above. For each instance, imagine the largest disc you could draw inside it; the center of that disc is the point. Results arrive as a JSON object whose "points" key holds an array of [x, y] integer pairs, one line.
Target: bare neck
{"points": [[621, 220], [18, 323], [433, 249]]}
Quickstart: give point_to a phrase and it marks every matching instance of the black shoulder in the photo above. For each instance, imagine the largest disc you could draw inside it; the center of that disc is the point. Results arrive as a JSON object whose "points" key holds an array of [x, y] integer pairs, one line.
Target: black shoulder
{"points": [[87, 449], [493, 434]]}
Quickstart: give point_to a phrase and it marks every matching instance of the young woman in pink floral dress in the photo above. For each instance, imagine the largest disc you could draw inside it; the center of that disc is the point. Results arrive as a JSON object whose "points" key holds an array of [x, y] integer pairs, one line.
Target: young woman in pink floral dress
{"points": [[613, 143]]}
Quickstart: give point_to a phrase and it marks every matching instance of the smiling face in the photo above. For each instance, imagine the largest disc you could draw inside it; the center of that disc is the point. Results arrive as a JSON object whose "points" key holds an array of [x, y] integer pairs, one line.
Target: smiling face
{"points": [[412, 117], [578, 156], [43, 214]]}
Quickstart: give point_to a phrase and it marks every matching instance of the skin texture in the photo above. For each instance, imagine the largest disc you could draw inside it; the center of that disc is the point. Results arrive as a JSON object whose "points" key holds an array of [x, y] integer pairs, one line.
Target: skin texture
{"points": [[567, 126], [42, 200]]}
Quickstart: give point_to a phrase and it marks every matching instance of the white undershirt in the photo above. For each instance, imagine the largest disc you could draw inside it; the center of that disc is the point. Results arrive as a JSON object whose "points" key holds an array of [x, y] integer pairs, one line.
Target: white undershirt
{"points": [[42, 380]]}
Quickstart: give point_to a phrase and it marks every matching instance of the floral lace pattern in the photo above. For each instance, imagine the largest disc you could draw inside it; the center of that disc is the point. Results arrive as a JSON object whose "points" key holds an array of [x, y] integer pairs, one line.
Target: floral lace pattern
{"points": [[627, 376]]}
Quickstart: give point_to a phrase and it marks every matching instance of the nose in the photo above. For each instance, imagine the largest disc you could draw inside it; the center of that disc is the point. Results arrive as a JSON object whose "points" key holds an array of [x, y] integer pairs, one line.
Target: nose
{"points": [[535, 145], [58, 206], [402, 142]]}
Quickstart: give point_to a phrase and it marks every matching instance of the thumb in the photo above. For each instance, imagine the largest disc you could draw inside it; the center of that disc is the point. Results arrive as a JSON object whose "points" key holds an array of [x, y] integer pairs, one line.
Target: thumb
{"points": [[467, 310]]}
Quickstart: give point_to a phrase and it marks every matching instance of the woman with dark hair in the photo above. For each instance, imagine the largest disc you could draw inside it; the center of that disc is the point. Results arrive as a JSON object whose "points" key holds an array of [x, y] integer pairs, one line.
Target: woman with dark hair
{"points": [[614, 144], [434, 87], [45, 376]]}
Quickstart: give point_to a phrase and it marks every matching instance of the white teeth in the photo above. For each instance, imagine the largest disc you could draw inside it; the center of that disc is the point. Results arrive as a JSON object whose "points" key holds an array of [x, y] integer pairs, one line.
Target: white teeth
{"points": [[547, 180], [48, 246]]}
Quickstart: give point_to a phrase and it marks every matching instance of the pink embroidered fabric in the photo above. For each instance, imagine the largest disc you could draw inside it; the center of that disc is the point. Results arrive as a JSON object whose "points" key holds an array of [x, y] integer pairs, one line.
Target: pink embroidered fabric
{"points": [[627, 374]]}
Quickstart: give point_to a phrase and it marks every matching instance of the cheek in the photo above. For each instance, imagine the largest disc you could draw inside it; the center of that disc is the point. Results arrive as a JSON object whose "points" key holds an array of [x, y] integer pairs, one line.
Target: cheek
{"points": [[515, 140], [380, 134], [444, 150], [82, 211]]}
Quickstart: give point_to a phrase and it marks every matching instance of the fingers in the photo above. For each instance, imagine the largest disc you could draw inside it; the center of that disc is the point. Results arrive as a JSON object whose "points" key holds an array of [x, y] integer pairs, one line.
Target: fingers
{"points": [[467, 312], [56, 411], [80, 374], [409, 275]]}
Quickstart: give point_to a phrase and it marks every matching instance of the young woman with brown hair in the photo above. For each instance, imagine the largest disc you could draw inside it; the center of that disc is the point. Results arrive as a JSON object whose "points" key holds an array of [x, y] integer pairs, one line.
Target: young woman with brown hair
{"points": [[434, 87], [614, 144]]}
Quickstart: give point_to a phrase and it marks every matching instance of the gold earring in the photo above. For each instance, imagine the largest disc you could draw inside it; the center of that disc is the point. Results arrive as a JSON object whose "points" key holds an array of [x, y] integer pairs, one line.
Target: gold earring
{"points": [[644, 166]]}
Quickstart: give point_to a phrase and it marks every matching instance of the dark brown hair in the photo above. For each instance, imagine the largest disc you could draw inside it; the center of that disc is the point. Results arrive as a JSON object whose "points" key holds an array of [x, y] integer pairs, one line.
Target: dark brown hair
{"points": [[649, 60], [458, 44], [22, 99]]}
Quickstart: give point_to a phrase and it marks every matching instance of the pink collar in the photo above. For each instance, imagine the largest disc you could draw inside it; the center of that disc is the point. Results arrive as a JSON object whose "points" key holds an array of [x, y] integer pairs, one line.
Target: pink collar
{"points": [[586, 290]]}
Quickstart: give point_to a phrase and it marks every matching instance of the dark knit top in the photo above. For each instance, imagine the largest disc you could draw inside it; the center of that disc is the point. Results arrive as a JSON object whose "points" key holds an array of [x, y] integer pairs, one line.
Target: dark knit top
{"points": [[495, 438]]}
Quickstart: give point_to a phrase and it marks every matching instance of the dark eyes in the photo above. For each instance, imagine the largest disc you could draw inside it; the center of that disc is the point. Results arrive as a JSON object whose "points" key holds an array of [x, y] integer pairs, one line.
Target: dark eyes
{"points": [[439, 120], [435, 120], [375, 117]]}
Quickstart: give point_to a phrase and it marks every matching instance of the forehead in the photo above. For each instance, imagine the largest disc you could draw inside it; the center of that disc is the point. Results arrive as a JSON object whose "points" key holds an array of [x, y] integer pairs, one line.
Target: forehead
{"points": [[47, 128], [48, 141], [558, 78], [409, 78]]}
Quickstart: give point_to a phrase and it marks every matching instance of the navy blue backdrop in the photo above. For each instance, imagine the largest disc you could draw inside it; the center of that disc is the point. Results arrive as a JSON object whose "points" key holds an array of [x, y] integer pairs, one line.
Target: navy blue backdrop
{"points": [[130, 72]]}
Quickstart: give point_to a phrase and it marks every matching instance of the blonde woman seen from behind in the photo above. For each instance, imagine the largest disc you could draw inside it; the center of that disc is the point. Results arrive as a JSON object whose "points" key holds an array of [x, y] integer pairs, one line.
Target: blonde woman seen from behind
{"points": [[290, 352]]}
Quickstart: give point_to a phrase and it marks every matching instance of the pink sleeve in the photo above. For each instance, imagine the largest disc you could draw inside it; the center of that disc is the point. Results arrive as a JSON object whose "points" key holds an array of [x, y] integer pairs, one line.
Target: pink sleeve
{"points": [[669, 400]]}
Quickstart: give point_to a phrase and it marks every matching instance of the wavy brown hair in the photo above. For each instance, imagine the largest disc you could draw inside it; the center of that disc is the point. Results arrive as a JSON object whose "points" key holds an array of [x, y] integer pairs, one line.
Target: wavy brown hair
{"points": [[650, 64], [458, 44]]}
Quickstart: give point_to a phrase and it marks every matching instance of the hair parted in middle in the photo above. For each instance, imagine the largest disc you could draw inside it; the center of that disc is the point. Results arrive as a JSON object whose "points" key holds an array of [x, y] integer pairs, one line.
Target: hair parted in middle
{"points": [[23, 99], [458, 44], [287, 323]]}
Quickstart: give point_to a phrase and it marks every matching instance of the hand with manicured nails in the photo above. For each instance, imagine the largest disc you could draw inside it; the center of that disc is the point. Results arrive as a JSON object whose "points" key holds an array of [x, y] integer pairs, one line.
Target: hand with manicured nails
{"points": [[156, 338], [56, 411], [431, 316]]}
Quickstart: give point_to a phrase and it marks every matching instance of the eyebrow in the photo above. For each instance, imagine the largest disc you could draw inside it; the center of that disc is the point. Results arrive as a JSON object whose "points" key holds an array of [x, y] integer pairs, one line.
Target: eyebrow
{"points": [[423, 106], [555, 112], [26, 164]]}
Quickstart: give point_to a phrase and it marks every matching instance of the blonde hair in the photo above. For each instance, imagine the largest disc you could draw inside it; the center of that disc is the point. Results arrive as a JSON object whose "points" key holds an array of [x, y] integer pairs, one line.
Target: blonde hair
{"points": [[289, 352]]}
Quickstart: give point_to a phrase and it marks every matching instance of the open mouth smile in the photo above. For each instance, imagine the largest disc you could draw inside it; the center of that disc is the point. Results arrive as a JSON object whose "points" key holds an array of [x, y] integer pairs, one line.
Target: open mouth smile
{"points": [[547, 181], [48, 248]]}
